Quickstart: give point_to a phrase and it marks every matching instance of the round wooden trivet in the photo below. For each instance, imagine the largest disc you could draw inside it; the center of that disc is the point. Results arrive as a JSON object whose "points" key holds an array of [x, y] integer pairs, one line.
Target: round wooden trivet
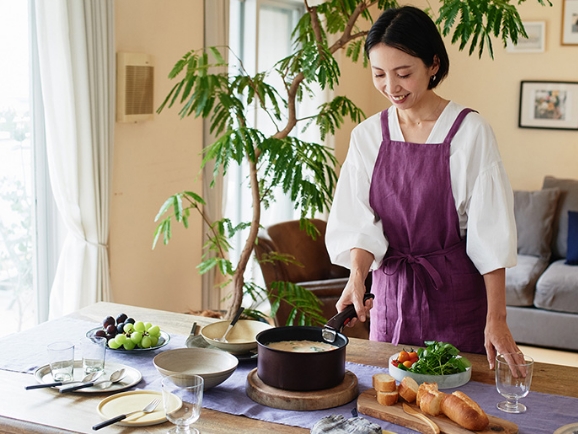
{"points": [[261, 393]]}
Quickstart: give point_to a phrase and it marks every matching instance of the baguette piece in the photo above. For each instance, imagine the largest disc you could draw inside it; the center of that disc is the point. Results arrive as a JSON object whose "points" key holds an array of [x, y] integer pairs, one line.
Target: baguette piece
{"points": [[384, 383], [431, 402], [464, 411], [387, 398], [408, 389], [423, 389]]}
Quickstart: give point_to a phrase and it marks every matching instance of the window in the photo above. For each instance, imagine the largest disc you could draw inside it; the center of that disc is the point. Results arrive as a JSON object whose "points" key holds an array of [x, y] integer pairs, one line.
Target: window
{"points": [[260, 35], [27, 235]]}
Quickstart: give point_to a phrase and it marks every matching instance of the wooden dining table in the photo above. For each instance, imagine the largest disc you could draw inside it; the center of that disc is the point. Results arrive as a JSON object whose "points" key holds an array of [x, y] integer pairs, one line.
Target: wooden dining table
{"points": [[48, 412]]}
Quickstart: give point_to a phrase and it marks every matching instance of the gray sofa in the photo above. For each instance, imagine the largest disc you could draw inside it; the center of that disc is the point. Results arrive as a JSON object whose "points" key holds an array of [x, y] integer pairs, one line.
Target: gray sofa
{"points": [[542, 289]]}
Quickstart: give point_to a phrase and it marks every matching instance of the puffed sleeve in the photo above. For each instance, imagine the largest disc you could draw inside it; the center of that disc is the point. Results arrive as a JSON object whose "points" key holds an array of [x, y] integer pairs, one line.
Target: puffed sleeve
{"points": [[352, 222], [491, 227]]}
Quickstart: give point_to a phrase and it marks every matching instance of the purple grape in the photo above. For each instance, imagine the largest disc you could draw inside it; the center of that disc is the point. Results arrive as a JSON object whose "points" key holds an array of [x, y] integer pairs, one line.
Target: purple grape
{"points": [[108, 321], [111, 330], [119, 327], [121, 318], [129, 320], [100, 333]]}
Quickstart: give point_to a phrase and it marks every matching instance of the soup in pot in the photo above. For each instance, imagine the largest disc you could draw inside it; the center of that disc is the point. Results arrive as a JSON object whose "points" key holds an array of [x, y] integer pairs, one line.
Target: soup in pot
{"points": [[304, 346]]}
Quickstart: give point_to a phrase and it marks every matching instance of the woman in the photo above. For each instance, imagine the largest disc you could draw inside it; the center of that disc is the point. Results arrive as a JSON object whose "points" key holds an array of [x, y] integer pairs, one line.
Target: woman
{"points": [[417, 179]]}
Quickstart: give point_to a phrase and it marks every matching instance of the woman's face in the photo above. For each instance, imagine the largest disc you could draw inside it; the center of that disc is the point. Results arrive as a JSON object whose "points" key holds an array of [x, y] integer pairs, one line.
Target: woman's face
{"points": [[400, 77]]}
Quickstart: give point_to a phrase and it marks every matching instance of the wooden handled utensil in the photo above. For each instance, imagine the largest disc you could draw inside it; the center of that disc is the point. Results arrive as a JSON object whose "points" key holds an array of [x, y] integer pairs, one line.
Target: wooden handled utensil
{"points": [[413, 412]]}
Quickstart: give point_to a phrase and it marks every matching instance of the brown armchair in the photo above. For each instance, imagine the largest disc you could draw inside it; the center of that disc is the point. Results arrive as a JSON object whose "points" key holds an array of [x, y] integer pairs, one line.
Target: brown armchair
{"points": [[315, 272]]}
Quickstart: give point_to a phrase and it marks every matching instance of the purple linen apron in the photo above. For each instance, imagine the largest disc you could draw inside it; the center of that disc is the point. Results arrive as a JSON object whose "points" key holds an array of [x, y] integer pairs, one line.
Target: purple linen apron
{"points": [[427, 288]]}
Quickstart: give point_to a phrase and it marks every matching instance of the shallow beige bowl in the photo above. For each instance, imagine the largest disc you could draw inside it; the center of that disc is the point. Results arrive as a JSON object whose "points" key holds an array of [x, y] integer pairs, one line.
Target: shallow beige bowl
{"points": [[241, 338], [215, 366]]}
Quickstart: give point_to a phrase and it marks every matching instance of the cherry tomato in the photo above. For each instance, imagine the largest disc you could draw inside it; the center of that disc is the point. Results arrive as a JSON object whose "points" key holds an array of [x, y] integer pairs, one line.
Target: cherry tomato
{"points": [[403, 356], [395, 363], [408, 363], [413, 356]]}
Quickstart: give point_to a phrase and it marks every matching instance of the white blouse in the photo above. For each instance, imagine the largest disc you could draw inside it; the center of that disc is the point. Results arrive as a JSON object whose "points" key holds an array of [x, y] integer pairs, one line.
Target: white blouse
{"points": [[481, 190]]}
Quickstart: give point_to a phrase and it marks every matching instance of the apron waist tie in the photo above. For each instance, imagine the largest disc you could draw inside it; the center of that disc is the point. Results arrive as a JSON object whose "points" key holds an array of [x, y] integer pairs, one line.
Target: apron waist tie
{"points": [[419, 261]]}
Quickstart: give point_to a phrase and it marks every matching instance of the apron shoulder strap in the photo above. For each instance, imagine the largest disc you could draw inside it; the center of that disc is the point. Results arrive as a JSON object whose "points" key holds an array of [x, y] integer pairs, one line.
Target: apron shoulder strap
{"points": [[456, 126], [385, 125]]}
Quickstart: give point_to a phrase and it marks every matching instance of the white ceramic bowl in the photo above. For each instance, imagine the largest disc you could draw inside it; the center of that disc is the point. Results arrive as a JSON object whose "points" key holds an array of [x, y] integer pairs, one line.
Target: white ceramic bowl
{"points": [[215, 366], [241, 339], [443, 381]]}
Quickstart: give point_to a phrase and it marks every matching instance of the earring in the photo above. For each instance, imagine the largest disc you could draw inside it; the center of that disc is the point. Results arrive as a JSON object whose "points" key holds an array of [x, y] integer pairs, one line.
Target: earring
{"points": [[433, 78]]}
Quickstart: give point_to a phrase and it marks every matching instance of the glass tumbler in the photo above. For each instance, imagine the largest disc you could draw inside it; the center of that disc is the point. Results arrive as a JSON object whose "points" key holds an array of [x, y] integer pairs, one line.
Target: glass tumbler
{"points": [[182, 399]]}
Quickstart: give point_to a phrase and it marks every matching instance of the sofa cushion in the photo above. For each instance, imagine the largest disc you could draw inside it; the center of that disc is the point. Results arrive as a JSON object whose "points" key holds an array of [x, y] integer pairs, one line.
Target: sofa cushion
{"points": [[534, 212], [568, 201], [572, 253], [521, 280], [557, 288]]}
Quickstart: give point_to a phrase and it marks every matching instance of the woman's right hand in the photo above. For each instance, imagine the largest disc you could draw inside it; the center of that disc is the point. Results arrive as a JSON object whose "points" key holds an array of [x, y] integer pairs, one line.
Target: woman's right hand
{"points": [[355, 289], [353, 294]]}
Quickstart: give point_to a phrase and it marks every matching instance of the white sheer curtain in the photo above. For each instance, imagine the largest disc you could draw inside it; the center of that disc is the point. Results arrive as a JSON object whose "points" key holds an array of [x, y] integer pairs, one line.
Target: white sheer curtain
{"points": [[76, 57], [216, 35]]}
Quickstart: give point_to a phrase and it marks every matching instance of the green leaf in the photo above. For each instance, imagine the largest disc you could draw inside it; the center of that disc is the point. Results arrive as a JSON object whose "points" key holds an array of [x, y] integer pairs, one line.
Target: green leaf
{"points": [[302, 302]]}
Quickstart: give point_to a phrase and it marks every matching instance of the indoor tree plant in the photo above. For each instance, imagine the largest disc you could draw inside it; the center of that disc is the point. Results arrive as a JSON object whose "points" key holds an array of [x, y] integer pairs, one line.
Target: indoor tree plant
{"points": [[304, 170]]}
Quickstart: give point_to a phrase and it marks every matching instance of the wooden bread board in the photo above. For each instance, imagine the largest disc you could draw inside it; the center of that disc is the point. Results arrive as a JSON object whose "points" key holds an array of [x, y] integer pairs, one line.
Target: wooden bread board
{"points": [[367, 404]]}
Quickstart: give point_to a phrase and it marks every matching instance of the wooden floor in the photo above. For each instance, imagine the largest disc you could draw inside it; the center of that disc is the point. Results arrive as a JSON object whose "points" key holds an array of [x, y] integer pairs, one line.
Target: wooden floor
{"points": [[566, 358]]}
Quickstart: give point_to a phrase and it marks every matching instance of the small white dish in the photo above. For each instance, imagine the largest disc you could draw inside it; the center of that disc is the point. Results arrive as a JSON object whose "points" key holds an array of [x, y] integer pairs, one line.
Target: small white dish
{"points": [[443, 381], [571, 428], [123, 403], [131, 377]]}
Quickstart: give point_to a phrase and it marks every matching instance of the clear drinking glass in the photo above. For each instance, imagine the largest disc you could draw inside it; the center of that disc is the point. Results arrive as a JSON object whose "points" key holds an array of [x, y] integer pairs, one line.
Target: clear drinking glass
{"points": [[61, 357], [182, 399], [93, 353], [513, 380]]}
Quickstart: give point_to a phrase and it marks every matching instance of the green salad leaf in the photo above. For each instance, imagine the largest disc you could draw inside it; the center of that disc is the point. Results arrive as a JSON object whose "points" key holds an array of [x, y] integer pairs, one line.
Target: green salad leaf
{"points": [[438, 358]]}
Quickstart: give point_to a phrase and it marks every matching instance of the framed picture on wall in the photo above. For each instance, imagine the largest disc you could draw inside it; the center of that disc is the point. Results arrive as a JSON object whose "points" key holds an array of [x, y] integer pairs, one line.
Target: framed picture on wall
{"points": [[549, 104], [569, 22], [534, 43]]}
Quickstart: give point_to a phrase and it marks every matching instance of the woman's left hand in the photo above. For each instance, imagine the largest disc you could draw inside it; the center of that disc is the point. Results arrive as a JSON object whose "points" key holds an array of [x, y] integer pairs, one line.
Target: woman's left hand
{"points": [[498, 340], [497, 336]]}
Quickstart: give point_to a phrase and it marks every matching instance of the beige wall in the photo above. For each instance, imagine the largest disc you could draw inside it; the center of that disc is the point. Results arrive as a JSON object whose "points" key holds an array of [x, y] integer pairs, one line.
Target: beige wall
{"points": [[153, 160], [492, 87]]}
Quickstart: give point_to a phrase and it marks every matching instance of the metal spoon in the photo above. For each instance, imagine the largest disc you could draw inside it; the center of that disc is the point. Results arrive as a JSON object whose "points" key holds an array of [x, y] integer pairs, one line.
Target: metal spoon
{"points": [[115, 377], [235, 319], [90, 377]]}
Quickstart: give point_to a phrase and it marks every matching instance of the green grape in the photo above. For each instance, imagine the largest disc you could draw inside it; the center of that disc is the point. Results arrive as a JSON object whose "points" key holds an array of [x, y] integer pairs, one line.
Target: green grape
{"points": [[113, 344], [129, 345], [139, 326], [148, 325], [120, 339], [154, 331], [128, 328], [136, 337], [146, 342], [154, 340]]}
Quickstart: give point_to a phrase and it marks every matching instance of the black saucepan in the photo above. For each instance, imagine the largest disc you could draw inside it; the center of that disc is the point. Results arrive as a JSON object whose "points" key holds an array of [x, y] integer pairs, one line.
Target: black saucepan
{"points": [[305, 371]]}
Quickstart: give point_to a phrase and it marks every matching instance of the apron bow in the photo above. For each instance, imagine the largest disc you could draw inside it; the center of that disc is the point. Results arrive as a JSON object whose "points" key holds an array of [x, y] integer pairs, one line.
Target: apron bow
{"points": [[418, 262]]}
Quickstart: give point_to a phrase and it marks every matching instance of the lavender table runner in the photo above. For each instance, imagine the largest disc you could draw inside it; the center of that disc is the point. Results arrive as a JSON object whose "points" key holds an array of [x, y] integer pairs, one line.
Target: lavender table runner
{"points": [[545, 412], [25, 352]]}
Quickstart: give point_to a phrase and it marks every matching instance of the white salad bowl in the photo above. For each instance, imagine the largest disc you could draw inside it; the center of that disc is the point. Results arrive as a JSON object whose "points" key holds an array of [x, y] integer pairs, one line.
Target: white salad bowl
{"points": [[443, 381]]}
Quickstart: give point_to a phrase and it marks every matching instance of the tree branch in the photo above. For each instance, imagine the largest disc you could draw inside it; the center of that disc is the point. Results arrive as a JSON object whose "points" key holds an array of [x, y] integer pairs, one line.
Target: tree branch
{"points": [[239, 277]]}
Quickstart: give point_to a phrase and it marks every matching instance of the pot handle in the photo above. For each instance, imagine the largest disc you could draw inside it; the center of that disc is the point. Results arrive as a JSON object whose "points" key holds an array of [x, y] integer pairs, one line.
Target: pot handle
{"points": [[340, 320]]}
